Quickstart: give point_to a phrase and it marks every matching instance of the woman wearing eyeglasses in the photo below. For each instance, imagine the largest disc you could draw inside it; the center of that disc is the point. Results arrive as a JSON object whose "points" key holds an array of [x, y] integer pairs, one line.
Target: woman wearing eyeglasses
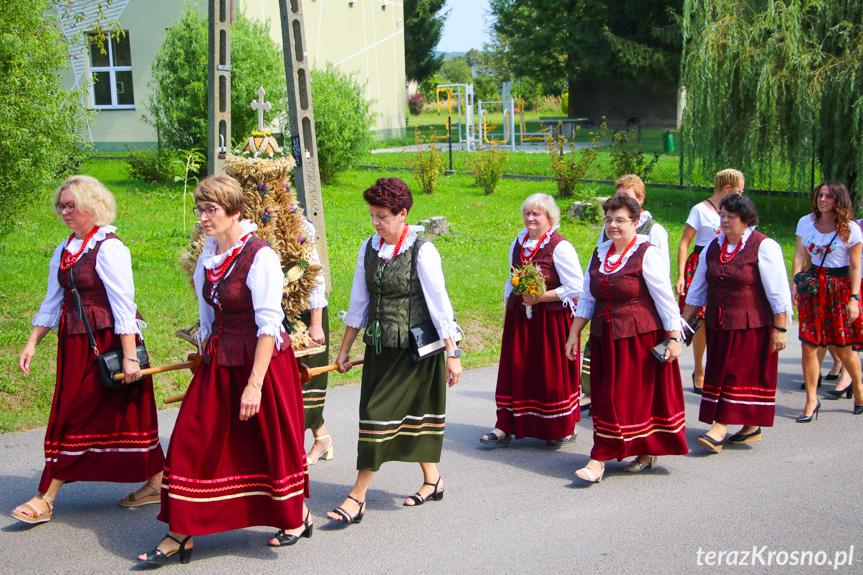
{"points": [[702, 227], [236, 457], [537, 392], [637, 398], [93, 434]]}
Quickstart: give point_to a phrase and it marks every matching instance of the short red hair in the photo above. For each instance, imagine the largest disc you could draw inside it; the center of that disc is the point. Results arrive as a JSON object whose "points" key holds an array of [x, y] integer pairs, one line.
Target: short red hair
{"points": [[390, 193]]}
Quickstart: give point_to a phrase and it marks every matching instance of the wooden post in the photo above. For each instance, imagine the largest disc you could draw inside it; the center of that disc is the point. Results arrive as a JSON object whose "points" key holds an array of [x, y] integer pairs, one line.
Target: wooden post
{"points": [[219, 85], [302, 123]]}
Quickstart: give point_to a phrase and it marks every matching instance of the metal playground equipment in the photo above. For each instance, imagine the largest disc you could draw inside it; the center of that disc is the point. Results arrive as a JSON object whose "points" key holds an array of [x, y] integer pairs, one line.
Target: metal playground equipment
{"points": [[463, 121]]}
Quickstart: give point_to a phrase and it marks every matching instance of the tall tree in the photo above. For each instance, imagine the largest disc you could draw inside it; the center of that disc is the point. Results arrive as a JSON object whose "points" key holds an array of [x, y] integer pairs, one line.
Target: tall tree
{"points": [[775, 80], [554, 40], [423, 30]]}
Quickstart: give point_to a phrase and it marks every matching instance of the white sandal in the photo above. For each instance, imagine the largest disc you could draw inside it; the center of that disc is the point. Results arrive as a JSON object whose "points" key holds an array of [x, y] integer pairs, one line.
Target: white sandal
{"points": [[588, 474], [326, 454]]}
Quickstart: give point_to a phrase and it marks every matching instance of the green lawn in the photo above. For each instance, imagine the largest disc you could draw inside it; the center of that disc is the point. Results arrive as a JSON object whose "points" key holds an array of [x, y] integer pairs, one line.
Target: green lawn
{"points": [[150, 222]]}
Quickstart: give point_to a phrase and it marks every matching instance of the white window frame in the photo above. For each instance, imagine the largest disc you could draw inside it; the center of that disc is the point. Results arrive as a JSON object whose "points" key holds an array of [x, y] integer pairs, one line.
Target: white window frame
{"points": [[112, 72]]}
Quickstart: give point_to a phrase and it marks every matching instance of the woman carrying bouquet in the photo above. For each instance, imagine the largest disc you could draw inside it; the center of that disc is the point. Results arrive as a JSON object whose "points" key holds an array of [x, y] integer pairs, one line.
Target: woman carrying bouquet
{"points": [[537, 388]]}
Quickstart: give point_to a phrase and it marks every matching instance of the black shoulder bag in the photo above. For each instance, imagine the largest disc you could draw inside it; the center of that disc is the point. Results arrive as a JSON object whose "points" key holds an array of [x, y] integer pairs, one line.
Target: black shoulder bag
{"points": [[423, 339], [111, 362], [806, 281]]}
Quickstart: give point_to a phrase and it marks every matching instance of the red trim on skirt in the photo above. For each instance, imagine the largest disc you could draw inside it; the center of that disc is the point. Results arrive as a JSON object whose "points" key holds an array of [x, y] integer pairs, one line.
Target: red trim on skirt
{"points": [[688, 274], [95, 434], [222, 473], [740, 377], [537, 386], [822, 318], [638, 406]]}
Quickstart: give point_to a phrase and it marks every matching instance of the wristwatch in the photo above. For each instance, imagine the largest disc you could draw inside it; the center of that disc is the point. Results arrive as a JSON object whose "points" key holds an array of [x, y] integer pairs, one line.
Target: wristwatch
{"points": [[454, 353], [856, 296], [677, 339]]}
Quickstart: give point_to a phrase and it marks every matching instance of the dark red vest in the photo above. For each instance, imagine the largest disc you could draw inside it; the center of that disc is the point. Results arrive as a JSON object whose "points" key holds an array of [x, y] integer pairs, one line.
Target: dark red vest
{"points": [[735, 294], [92, 291], [544, 260], [622, 299], [234, 328]]}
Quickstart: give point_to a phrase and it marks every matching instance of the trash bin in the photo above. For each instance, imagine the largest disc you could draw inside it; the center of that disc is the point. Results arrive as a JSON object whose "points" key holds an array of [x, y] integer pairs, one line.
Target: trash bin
{"points": [[668, 141]]}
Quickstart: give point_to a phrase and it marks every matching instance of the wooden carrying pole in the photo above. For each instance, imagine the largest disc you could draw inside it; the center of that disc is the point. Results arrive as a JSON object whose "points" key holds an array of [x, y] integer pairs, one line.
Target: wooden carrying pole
{"points": [[194, 360], [306, 373]]}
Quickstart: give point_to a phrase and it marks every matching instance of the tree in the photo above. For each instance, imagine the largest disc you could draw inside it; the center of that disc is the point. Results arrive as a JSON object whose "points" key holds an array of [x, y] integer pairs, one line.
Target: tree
{"points": [[178, 102], [423, 30], [775, 80], [40, 122], [553, 40], [456, 70]]}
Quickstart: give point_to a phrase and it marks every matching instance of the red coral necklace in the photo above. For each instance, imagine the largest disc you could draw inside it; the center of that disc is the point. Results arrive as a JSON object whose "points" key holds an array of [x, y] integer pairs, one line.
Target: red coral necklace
{"points": [[528, 255], [613, 266], [398, 244], [725, 257], [68, 260], [215, 275]]}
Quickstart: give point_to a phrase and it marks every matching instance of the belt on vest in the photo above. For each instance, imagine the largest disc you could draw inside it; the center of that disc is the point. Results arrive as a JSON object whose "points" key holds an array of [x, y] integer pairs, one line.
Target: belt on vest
{"points": [[698, 249]]}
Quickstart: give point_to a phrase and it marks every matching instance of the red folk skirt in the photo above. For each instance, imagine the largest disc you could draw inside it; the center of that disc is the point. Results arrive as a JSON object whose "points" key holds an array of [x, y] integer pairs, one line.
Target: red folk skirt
{"points": [[637, 400], [688, 274], [537, 386], [222, 473], [823, 319], [740, 378], [96, 434]]}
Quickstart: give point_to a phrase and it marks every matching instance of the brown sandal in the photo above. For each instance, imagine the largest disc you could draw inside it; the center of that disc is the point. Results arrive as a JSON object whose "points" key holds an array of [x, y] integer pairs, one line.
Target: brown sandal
{"points": [[130, 501], [28, 514]]}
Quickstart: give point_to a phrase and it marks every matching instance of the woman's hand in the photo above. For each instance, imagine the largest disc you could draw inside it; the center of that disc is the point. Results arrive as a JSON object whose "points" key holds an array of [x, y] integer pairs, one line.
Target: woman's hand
{"points": [[527, 299], [131, 370], [316, 332], [250, 402], [778, 341], [852, 309], [344, 362], [673, 350], [679, 286], [793, 293], [26, 355], [453, 370], [573, 346]]}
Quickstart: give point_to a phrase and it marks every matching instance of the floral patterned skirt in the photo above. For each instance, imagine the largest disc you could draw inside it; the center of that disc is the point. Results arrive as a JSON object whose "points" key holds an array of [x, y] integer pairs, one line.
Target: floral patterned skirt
{"points": [[689, 272], [823, 319]]}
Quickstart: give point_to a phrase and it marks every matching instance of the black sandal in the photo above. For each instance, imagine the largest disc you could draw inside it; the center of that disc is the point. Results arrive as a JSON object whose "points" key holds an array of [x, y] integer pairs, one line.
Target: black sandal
{"points": [[284, 538], [346, 518], [434, 495], [159, 557], [491, 438]]}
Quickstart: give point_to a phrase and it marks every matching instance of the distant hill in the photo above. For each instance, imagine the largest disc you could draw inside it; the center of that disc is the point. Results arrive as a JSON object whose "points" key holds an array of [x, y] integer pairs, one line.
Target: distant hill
{"points": [[449, 54]]}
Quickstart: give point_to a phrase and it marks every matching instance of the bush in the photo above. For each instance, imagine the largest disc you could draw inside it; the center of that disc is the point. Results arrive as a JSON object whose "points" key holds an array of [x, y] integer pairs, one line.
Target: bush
{"points": [[178, 103], [153, 166], [564, 103], [427, 163], [569, 168], [343, 120], [416, 104], [629, 158], [488, 166]]}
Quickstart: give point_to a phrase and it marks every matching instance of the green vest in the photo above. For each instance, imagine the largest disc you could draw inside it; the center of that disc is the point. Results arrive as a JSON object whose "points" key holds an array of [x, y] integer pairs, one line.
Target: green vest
{"points": [[395, 285]]}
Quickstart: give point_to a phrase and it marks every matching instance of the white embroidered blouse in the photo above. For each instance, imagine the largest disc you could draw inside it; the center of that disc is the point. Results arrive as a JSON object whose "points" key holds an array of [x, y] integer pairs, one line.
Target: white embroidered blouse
{"points": [[430, 272], [318, 297], [114, 266]]}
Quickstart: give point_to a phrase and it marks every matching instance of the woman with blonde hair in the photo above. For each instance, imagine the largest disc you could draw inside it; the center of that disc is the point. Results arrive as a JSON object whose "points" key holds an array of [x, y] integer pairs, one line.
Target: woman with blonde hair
{"points": [[94, 433], [537, 392], [702, 227]]}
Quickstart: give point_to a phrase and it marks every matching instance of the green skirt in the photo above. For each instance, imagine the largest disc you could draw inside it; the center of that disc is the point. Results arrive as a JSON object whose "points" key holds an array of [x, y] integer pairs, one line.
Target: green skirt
{"points": [[315, 390], [402, 408]]}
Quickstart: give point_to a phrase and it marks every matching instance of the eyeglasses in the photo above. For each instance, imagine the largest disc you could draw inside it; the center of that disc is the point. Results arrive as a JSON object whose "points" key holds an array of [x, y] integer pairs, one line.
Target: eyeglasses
{"points": [[68, 208], [209, 210], [739, 190], [617, 221]]}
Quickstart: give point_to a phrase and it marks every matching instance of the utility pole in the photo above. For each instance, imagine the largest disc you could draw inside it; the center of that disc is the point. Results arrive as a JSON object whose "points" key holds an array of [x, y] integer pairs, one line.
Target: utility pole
{"points": [[303, 143], [219, 85]]}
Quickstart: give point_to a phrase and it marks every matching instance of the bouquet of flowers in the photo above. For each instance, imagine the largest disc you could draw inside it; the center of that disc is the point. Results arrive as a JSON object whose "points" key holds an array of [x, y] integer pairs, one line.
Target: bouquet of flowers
{"points": [[528, 280]]}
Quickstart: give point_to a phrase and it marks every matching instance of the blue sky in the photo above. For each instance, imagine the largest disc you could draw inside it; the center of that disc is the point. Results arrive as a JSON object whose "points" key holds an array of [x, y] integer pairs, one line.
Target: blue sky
{"points": [[466, 26]]}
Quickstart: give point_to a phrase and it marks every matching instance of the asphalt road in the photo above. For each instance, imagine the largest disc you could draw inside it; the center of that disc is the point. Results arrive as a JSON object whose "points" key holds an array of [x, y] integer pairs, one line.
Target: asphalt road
{"points": [[794, 497]]}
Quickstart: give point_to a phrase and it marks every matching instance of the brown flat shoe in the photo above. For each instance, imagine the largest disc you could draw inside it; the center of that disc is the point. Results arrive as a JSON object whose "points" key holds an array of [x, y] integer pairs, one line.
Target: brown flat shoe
{"points": [[131, 501], [28, 514]]}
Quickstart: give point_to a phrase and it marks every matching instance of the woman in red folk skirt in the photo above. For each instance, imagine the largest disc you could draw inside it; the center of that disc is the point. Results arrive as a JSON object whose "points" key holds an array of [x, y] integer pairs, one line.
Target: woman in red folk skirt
{"points": [[94, 434], [537, 388], [743, 282], [829, 244], [236, 457], [637, 398], [702, 227]]}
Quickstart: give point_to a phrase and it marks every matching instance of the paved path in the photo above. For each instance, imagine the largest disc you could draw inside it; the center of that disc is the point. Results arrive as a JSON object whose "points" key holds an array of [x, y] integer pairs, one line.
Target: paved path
{"points": [[512, 510]]}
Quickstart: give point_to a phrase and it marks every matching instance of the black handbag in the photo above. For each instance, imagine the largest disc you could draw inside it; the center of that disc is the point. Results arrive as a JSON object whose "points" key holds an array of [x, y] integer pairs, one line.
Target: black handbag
{"points": [[111, 362], [423, 339], [806, 281]]}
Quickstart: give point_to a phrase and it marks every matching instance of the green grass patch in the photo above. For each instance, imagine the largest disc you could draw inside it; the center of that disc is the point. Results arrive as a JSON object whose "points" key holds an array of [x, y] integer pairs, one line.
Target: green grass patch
{"points": [[151, 224]]}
